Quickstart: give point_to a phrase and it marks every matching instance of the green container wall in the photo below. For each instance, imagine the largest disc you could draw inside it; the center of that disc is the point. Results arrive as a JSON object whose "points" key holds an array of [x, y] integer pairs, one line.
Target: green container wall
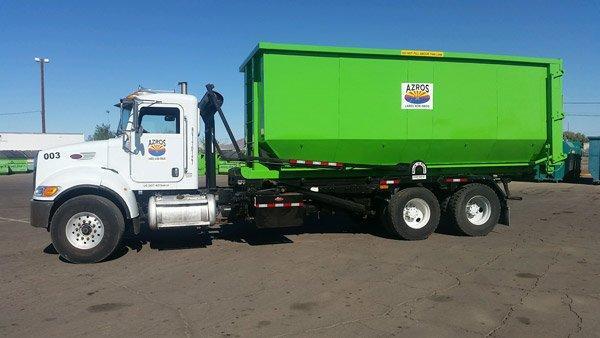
{"points": [[344, 105]]}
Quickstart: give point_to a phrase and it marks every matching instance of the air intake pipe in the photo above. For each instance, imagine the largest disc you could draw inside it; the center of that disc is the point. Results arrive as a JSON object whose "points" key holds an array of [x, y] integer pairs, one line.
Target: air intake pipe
{"points": [[211, 103]]}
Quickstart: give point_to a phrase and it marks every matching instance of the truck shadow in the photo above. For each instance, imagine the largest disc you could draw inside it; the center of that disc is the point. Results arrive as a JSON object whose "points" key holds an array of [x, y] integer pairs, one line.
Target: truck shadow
{"points": [[186, 238], [581, 180], [246, 233]]}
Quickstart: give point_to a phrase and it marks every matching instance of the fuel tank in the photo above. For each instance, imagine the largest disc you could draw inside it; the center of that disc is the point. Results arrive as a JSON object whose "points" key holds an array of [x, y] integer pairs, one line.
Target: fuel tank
{"points": [[181, 211]]}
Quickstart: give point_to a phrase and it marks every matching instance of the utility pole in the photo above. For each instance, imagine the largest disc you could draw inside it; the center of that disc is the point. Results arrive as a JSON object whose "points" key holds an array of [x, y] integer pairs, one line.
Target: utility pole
{"points": [[42, 61]]}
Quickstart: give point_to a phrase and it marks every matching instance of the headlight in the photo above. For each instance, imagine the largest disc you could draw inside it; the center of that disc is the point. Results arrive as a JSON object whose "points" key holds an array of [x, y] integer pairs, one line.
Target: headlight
{"points": [[46, 191]]}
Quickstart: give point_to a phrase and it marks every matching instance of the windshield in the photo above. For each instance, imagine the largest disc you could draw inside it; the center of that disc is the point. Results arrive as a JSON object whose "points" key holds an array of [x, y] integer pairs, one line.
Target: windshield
{"points": [[124, 119]]}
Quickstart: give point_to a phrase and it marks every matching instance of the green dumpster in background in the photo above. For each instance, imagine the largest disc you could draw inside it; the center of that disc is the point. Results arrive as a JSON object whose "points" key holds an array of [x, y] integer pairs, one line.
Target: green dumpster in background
{"points": [[3, 167], [223, 166], [12, 161], [17, 165]]}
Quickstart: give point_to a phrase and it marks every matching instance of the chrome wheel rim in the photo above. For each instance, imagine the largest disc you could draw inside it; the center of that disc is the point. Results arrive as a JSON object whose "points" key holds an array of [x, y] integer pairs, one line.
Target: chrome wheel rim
{"points": [[416, 213], [84, 230], [478, 209]]}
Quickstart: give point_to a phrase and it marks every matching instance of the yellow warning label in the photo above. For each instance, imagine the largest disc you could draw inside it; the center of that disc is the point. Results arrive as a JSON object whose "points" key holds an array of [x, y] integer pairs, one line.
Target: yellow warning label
{"points": [[426, 53]]}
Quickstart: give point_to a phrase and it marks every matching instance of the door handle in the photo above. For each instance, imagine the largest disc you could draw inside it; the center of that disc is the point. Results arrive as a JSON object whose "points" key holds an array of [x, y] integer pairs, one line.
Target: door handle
{"points": [[175, 172]]}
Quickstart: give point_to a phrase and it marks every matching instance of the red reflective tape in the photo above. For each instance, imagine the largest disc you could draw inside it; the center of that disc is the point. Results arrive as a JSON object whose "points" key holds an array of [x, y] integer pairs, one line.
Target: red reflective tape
{"points": [[317, 163], [279, 205], [389, 182], [456, 180]]}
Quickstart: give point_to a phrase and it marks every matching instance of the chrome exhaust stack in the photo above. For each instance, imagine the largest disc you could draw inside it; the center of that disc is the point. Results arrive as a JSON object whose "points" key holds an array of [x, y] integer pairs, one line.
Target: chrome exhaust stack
{"points": [[183, 87]]}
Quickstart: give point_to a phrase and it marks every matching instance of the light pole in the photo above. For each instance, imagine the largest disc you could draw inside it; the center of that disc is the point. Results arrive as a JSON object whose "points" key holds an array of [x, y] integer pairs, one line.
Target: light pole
{"points": [[42, 61]]}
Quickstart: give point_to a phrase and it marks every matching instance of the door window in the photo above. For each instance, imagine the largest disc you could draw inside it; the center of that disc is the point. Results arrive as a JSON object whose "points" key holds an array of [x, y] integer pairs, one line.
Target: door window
{"points": [[160, 120]]}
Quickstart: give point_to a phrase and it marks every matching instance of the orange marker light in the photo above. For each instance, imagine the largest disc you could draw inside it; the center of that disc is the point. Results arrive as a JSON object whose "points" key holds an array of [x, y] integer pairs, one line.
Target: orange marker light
{"points": [[49, 191]]}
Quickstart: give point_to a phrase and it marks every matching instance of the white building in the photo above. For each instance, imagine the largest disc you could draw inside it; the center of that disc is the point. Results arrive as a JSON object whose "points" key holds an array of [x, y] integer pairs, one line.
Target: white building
{"points": [[37, 141]]}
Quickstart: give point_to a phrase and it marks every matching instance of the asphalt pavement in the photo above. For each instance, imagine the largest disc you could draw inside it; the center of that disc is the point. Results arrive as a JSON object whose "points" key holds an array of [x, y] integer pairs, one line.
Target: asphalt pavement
{"points": [[537, 278]]}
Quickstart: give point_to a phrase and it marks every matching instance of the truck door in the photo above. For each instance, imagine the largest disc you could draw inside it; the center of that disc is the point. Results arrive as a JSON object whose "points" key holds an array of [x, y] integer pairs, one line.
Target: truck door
{"points": [[159, 150]]}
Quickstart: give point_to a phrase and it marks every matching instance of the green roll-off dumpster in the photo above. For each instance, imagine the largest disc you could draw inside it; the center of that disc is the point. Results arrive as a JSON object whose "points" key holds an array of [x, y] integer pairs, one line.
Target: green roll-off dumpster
{"points": [[456, 112]]}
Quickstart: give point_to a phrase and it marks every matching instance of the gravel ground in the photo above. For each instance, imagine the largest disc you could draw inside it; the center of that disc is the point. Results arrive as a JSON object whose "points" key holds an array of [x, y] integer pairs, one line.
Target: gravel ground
{"points": [[538, 277]]}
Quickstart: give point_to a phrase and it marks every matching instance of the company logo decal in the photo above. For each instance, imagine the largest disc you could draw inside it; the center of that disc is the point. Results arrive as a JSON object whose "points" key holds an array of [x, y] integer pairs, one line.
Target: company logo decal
{"points": [[417, 96], [157, 148]]}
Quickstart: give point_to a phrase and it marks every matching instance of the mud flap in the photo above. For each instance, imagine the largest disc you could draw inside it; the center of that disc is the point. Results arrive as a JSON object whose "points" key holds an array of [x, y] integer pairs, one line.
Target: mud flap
{"points": [[135, 222], [504, 214], [279, 210]]}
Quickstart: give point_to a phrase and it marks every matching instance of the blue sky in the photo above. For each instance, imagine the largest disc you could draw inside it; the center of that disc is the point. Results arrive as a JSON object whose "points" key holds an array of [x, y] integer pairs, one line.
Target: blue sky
{"points": [[100, 51]]}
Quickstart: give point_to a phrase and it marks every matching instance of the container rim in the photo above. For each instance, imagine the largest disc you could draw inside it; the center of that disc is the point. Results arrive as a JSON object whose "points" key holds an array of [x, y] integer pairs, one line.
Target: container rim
{"points": [[262, 47]]}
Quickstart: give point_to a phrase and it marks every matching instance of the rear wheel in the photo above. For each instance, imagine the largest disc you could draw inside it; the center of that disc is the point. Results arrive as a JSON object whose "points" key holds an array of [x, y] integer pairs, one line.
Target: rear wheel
{"points": [[87, 229], [413, 213], [475, 209]]}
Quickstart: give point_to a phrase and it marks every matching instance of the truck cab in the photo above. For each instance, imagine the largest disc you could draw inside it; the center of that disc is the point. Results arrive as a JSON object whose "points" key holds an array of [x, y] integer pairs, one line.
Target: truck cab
{"points": [[156, 150]]}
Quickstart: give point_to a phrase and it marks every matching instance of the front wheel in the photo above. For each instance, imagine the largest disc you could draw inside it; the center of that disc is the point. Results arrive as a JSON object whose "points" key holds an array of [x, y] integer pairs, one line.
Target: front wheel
{"points": [[475, 209], [413, 213], [87, 229]]}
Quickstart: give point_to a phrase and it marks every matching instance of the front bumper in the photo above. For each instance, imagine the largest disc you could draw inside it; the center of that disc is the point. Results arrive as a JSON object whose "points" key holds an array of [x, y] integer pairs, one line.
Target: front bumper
{"points": [[40, 213]]}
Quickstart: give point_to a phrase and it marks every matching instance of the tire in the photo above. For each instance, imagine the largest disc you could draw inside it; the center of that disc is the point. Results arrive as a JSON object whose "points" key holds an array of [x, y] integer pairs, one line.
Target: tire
{"points": [[413, 213], [79, 222], [466, 217]]}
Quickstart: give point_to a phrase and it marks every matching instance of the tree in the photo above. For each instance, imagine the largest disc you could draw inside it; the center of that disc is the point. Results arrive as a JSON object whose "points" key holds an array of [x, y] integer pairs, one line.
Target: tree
{"points": [[573, 136], [102, 132]]}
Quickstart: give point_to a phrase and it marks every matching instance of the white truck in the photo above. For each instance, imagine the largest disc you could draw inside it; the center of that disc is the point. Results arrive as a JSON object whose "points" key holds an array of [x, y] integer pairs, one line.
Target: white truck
{"points": [[326, 129], [309, 147], [87, 193]]}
